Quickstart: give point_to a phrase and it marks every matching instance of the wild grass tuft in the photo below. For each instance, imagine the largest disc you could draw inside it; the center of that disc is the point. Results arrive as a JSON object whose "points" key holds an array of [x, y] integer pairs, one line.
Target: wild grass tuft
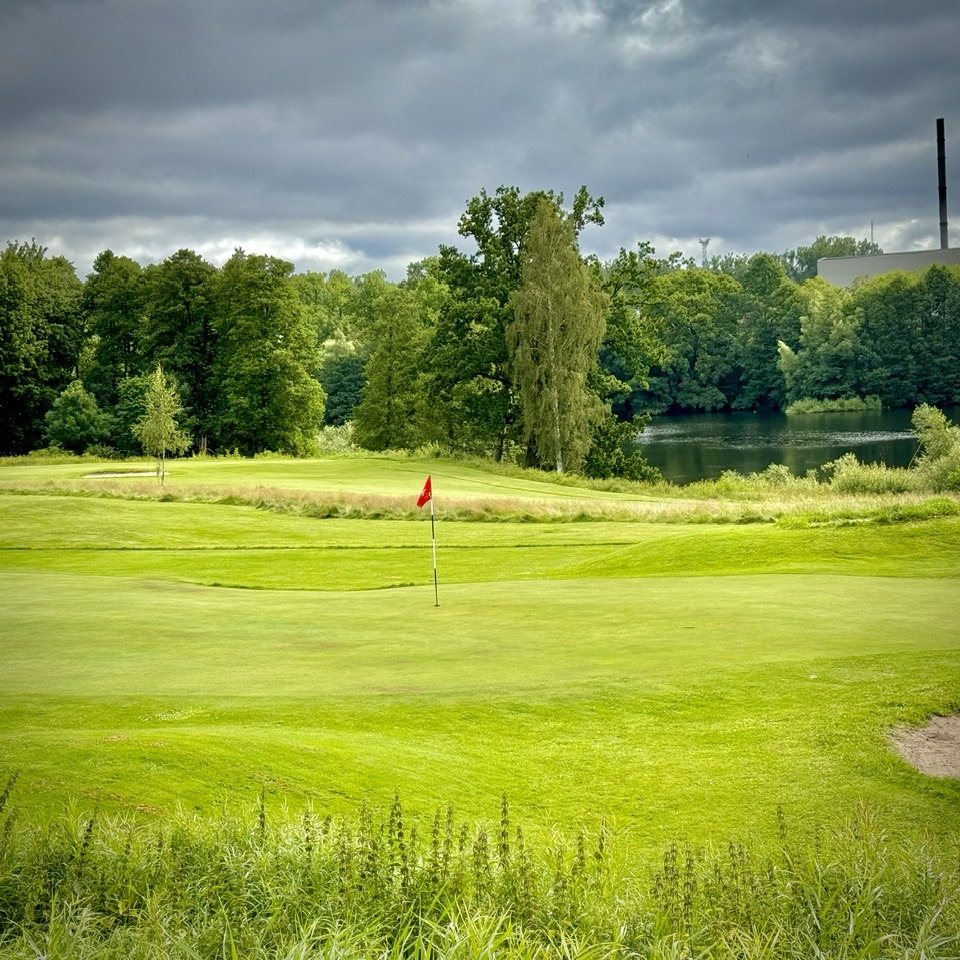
{"points": [[383, 885]]}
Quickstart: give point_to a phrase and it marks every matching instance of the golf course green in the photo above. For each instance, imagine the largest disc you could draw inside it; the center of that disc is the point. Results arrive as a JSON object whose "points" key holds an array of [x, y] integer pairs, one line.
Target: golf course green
{"points": [[186, 647]]}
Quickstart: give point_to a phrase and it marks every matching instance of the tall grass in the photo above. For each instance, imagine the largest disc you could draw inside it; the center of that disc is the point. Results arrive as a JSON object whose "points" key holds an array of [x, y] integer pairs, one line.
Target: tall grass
{"points": [[767, 497], [382, 886]]}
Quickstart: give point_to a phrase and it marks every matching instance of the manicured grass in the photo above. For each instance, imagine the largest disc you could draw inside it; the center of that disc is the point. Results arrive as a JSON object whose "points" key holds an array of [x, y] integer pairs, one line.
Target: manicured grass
{"points": [[679, 680], [391, 476], [242, 547]]}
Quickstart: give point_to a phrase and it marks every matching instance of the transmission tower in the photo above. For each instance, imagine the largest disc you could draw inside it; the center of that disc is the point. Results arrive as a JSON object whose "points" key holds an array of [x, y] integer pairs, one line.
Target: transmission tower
{"points": [[704, 243]]}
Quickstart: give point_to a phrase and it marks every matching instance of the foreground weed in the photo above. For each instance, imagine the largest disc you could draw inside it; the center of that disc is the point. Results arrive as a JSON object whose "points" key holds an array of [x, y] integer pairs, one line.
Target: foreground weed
{"points": [[383, 886]]}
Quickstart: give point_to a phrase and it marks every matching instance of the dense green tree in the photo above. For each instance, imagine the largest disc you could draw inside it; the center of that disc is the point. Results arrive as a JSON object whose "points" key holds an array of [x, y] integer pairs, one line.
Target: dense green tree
{"points": [[328, 302], [615, 451], [361, 311], [113, 301], [178, 332], [158, 430], [23, 353], [630, 345], [825, 364], [732, 264], [801, 263], [470, 378], [341, 376], [40, 340], [388, 415], [61, 295], [888, 338], [267, 357], [130, 407], [938, 351], [770, 310], [344, 311], [696, 314], [75, 421], [553, 340]]}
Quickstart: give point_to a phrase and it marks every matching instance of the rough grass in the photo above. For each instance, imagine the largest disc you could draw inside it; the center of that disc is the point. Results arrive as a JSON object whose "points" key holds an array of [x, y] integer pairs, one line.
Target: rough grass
{"points": [[385, 885]]}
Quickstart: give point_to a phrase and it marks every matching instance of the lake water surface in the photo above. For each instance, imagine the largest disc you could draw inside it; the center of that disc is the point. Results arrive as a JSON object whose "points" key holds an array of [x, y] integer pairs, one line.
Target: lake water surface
{"points": [[702, 446]]}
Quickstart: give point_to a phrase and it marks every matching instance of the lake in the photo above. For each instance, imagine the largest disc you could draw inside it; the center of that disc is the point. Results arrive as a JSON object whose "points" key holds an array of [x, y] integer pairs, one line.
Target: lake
{"points": [[702, 446]]}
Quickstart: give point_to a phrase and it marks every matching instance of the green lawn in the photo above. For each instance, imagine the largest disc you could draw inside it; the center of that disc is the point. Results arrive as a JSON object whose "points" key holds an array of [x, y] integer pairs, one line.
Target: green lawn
{"points": [[391, 476], [677, 679]]}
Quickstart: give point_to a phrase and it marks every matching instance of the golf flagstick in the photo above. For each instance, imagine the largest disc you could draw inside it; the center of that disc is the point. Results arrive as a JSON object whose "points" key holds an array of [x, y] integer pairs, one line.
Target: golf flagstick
{"points": [[425, 495]]}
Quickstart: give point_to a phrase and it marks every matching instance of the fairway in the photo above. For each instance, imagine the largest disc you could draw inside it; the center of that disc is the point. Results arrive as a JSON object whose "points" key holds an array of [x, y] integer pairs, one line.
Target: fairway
{"points": [[678, 680]]}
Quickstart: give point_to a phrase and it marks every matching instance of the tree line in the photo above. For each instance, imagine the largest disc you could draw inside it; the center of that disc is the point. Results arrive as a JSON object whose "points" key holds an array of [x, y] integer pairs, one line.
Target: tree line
{"points": [[520, 348]]}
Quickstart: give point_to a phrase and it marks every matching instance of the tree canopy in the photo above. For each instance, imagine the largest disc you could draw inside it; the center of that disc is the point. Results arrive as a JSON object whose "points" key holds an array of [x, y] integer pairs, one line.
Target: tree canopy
{"points": [[514, 346]]}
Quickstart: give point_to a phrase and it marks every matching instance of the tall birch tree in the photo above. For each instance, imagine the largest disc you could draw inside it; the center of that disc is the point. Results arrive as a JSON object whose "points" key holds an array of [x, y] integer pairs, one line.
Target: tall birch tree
{"points": [[559, 320]]}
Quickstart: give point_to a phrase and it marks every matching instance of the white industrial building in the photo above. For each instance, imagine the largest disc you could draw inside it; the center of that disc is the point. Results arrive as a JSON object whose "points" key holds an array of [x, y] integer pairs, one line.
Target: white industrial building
{"points": [[844, 271]]}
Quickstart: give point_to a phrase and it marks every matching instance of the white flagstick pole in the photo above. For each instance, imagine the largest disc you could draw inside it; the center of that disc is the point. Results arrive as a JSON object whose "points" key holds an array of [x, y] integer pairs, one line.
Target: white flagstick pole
{"points": [[433, 537]]}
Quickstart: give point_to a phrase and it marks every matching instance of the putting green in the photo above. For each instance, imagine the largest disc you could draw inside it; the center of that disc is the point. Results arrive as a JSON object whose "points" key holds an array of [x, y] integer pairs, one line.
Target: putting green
{"points": [[77, 635]]}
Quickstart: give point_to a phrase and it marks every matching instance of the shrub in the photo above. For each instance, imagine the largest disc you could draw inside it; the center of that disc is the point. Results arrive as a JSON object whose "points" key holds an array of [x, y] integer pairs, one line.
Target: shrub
{"points": [[938, 461], [335, 440], [102, 451], [837, 405], [848, 475], [615, 452], [75, 421]]}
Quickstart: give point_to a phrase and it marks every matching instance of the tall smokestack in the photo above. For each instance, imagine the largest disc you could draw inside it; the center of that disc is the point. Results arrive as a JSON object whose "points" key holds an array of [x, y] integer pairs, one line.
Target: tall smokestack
{"points": [[942, 176]]}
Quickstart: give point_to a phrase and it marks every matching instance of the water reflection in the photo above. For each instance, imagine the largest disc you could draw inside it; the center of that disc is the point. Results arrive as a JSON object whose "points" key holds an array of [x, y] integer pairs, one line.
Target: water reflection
{"points": [[703, 446]]}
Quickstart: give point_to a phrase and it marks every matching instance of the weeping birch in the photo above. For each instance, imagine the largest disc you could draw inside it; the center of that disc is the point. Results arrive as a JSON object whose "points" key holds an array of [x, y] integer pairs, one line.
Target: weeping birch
{"points": [[557, 328]]}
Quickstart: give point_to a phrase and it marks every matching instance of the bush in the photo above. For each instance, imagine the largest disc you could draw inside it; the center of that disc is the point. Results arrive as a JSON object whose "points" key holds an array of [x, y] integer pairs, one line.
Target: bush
{"points": [[938, 461], [848, 475], [838, 405], [615, 452], [336, 440], [102, 451], [75, 422]]}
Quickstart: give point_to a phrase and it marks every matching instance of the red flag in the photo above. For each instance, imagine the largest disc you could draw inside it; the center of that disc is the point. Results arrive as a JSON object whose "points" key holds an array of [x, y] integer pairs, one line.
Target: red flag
{"points": [[425, 494]]}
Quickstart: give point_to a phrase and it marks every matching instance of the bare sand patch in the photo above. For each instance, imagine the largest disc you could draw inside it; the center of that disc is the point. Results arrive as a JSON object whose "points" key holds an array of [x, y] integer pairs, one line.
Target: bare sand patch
{"points": [[933, 749], [104, 475]]}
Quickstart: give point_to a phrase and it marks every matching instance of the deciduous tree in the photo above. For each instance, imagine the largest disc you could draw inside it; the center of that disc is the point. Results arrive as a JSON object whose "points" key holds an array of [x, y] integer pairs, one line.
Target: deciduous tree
{"points": [[40, 340], [75, 421], [179, 333], [388, 415], [113, 301], [267, 358], [158, 430], [555, 334], [470, 378]]}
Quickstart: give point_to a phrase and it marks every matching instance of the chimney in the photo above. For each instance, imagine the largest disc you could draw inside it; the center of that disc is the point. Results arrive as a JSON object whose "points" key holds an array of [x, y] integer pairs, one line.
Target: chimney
{"points": [[942, 177]]}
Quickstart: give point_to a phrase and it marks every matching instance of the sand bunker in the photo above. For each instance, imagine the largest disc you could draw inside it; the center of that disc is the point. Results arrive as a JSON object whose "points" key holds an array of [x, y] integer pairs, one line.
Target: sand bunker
{"points": [[933, 749], [120, 473]]}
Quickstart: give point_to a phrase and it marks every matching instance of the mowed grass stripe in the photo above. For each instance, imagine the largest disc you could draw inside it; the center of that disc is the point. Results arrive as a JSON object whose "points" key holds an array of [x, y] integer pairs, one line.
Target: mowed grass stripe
{"points": [[711, 759], [365, 554], [79, 634]]}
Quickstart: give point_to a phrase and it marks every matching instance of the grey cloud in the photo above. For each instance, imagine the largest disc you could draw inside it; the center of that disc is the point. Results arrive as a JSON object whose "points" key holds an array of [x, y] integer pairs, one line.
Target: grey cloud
{"points": [[760, 123]]}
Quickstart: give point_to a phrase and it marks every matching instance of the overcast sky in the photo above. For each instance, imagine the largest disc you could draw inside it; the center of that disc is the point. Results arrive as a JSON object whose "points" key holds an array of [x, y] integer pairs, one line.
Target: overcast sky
{"points": [[350, 133]]}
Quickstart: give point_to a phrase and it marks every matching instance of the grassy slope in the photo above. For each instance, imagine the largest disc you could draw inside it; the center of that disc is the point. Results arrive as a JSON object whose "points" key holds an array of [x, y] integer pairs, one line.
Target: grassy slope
{"points": [[677, 679]]}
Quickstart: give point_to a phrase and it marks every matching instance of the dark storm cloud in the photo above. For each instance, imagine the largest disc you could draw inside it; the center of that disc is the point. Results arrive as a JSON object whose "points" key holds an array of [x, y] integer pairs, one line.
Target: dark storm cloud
{"points": [[352, 133]]}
